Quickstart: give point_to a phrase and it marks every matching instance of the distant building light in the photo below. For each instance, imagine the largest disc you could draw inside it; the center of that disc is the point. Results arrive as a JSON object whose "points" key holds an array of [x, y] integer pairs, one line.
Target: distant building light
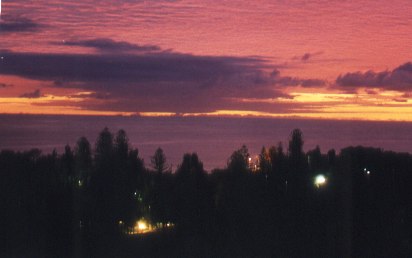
{"points": [[80, 183]]}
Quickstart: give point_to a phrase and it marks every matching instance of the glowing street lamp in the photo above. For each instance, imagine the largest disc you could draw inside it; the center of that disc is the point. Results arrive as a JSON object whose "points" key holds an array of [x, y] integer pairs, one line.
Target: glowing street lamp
{"points": [[320, 180], [142, 225]]}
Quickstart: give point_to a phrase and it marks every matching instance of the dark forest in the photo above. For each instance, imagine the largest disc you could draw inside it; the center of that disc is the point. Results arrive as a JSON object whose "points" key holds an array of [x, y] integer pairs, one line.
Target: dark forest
{"points": [[103, 200]]}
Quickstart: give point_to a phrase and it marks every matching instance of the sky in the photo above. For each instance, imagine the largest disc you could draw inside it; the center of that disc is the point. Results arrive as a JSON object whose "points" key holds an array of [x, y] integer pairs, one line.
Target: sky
{"points": [[305, 59]]}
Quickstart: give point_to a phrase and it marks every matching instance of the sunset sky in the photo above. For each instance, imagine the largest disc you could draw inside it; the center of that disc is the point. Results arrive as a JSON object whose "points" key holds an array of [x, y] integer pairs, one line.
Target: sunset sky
{"points": [[309, 59]]}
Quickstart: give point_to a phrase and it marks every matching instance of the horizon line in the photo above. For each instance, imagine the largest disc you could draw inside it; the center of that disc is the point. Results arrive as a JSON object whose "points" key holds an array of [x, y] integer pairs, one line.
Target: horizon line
{"points": [[215, 114]]}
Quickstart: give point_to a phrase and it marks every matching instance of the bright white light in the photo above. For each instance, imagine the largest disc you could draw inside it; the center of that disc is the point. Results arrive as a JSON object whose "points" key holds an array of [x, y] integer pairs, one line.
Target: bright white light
{"points": [[368, 172], [320, 180]]}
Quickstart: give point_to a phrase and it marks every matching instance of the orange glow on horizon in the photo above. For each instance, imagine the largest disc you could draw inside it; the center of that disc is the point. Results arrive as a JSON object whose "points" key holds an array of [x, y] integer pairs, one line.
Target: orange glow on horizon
{"points": [[393, 115], [381, 107]]}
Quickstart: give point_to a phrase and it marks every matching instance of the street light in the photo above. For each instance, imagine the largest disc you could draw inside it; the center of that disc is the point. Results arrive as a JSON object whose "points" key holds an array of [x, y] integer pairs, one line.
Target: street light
{"points": [[320, 180]]}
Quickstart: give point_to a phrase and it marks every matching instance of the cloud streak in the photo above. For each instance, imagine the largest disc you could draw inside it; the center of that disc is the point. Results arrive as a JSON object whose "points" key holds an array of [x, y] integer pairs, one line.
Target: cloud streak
{"points": [[32, 95], [307, 56], [5, 85], [14, 25], [109, 45], [286, 81]]}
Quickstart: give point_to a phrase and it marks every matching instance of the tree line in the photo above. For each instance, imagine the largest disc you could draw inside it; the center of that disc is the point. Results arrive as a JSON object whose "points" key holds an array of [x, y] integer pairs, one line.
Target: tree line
{"points": [[62, 204]]}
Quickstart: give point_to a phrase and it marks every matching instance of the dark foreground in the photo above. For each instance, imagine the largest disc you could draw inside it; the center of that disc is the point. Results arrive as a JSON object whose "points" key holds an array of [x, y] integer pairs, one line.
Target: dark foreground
{"points": [[286, 204]]}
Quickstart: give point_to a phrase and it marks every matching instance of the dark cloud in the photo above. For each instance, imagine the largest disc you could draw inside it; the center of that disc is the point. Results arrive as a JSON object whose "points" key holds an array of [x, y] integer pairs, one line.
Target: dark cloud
{"points": [[371, 92], [11, 25], [150, 82], [407, 95], [154, 68], [32, 95], [399, 79], [5, 85], [305, 57], [400, 100], [155, 81], [294, 81], [313, 83], [105, 44]]}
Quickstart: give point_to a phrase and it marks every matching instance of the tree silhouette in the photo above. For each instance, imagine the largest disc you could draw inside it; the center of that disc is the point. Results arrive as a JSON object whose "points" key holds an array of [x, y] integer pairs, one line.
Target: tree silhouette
{"points": [[331, 158], [68, 165], [83, 161], [295, 150], [315, 159], [265, 165], [82, 203], [103, 186], [239, 160], [104, 148], [296, 156], [193, 203], [279, 167], [121, 146], [158, 161]]}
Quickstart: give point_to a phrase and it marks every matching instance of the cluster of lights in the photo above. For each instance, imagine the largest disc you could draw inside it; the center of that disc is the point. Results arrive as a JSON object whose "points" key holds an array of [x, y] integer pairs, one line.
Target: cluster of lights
{"points": [[143, 226], [366, 171], [253, 164]]}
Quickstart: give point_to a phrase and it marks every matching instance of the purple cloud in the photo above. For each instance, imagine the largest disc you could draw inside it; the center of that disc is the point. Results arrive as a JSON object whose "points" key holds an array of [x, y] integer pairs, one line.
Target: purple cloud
{"points": [[294, 81], [5, 85], [32, 95], [105, 44], [399, 79], [155, 80], [12, 25], [305, 57]]}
